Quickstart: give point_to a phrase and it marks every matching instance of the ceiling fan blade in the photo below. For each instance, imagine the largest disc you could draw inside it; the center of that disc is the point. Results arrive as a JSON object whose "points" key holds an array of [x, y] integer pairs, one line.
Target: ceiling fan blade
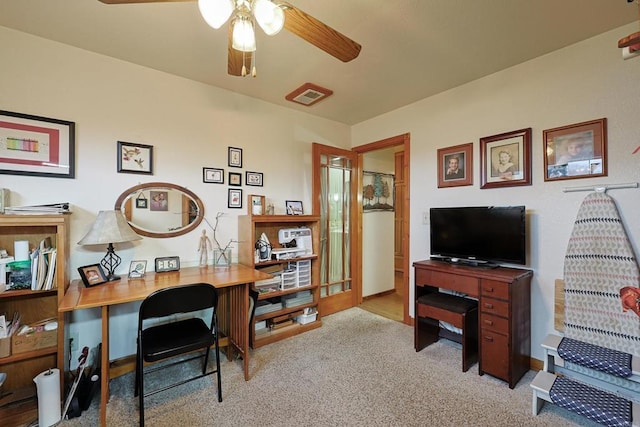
{"points": [[140, 1], [630, 40], [319, 34], [234, 62]]}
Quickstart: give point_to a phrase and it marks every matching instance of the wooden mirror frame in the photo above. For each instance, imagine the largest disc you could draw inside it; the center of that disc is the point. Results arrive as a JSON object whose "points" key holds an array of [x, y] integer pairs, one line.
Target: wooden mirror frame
{"points": [[129, 195]]}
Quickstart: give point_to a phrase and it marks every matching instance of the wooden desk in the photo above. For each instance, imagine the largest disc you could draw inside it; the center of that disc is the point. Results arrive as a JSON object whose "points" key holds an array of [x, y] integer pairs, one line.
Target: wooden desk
{"points": [[504, 306], [233, 319]]}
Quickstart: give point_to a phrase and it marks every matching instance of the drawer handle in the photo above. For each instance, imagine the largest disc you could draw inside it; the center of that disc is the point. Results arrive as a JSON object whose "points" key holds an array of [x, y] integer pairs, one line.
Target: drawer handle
{"points": [[489, 289], [488, 305], [490, 339], [489, 322]]}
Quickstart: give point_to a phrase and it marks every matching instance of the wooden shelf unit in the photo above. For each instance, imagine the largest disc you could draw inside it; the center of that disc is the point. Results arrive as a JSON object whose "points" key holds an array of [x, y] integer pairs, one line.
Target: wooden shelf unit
{"points": [[33, 306], [250, 228]]}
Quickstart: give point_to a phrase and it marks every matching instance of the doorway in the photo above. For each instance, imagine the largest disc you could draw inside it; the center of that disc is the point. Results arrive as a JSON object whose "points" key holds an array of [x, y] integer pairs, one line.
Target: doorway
{"points": [[391, 297]]}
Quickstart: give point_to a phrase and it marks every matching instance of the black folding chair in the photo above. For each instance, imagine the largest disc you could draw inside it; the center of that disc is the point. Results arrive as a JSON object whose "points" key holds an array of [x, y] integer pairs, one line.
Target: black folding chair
{"points": [[176, 337]]}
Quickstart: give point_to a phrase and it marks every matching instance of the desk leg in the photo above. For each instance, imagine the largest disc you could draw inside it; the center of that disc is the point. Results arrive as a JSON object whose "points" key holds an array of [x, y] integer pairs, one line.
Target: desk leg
{"points": [[239, 323], [104, 366]]}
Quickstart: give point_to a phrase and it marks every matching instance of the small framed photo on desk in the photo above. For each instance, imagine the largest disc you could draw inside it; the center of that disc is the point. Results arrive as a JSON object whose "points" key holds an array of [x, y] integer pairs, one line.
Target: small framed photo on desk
{"points": [[137, 269], [294, 207], [92, 275]]}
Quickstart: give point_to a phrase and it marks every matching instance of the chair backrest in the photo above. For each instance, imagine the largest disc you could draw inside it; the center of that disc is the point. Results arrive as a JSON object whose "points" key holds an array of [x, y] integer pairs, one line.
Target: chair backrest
{"points": [[178, 299]]}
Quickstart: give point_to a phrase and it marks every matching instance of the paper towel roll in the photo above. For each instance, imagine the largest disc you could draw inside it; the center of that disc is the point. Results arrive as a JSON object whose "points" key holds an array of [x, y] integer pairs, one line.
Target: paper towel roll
{"points": [[48, 385], [21, 250]]}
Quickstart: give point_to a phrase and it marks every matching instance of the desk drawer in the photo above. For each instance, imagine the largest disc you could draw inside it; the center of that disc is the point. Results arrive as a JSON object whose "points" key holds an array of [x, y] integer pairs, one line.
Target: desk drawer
{"points": [[494, 323], [494, 306], [454, 282], [494, 289], [495, 354]]}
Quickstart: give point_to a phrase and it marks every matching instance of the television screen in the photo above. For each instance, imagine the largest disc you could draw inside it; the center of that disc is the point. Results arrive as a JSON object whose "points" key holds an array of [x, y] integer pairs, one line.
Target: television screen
{"points": [[479, 233]]}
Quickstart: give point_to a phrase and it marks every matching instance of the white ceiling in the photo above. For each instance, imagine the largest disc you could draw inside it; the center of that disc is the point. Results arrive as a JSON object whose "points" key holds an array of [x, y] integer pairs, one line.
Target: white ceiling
{"points": [[411, 49]]}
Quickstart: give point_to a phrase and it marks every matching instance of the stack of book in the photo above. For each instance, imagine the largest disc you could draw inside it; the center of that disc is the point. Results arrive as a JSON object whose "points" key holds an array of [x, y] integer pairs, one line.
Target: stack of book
{"points": [[53, 208]]}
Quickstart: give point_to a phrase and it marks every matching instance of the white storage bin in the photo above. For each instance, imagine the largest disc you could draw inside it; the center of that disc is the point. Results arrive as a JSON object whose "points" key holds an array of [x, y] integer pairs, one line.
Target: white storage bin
{"points": [[303, 319], [288, 279]]}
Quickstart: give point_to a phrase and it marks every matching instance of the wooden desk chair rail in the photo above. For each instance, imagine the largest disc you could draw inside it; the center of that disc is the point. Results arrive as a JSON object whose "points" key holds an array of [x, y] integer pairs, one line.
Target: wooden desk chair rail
{"points": [[177, 337]]}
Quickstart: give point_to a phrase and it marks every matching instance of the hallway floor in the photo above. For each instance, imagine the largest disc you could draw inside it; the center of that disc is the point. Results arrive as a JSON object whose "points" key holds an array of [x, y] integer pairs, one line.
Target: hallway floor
{"points": [[389, 306]]}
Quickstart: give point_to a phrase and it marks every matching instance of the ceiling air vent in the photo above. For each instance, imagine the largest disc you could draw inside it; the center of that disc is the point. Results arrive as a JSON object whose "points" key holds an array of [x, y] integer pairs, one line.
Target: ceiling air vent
{"points": [[308, 94]]}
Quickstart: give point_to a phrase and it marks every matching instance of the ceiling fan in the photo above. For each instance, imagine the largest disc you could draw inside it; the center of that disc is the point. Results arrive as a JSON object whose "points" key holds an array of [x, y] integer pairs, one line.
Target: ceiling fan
{"points": [[271, 16]]}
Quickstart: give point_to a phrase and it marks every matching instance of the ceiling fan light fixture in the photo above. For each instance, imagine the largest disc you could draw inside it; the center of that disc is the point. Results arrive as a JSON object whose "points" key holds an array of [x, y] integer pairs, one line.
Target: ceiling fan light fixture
{"points": [[269, 16], [216, 12], [244, 36]]}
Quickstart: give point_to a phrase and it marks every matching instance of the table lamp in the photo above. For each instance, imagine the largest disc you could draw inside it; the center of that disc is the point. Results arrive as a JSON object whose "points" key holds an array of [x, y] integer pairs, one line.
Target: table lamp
{"points": [[110, 227]]}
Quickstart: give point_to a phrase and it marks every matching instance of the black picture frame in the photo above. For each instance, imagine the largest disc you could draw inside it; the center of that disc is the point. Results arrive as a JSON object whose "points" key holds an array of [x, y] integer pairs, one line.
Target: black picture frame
{"points": [[235, 179], [294, 207], [234, 200], [254, 179], [92, 275], [213, 175], [235, 157], [135, 158], [35, 134]]}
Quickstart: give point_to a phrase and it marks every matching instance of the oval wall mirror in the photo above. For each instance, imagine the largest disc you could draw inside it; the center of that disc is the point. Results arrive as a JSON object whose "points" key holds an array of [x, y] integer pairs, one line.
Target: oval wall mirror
{"points": [[161, 209]]}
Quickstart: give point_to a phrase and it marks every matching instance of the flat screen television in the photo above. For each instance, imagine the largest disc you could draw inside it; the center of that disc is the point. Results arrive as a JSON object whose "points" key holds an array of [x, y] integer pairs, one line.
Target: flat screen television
{"points": [[479, 235]]}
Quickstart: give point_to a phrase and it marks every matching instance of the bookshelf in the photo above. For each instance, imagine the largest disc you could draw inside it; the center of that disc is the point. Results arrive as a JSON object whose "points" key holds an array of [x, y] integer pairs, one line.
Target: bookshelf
{"points": [[18, 405], [282, 321]]}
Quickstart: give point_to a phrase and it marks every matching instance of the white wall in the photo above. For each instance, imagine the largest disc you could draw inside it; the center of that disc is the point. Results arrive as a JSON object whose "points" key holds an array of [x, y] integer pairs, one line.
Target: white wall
{"points": [[378, 234], [190, 126], [586, 81]]}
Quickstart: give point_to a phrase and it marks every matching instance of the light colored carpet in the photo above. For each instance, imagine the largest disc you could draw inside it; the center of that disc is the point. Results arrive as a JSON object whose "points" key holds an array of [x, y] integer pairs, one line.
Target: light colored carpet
{"points": [[358, 369]]}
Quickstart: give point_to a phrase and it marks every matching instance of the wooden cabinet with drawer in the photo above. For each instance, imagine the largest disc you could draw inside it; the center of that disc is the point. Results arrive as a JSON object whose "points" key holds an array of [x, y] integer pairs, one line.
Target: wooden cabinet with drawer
{"points": [[504, 303]]}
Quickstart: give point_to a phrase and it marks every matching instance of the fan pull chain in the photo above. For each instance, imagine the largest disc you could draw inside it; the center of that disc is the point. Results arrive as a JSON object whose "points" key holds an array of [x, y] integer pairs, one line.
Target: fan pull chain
{"points": [[244, 67]]}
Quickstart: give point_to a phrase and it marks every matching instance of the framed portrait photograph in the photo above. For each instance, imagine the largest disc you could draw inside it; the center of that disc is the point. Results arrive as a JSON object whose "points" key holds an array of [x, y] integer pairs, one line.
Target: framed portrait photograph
{"points": [[235, 157], [213, 175], [505, 159], [253, 179], [455, 166], [256, 204], [159, 201], [137, 269], [235, 179], [135, 158], [92, 275], [36, 146], [294, 207], [576, 151], [235, 198]]}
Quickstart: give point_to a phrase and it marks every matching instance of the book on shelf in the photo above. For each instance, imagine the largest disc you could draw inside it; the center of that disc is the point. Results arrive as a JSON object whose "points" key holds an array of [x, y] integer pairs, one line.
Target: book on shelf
{"points": [[43, 266]]}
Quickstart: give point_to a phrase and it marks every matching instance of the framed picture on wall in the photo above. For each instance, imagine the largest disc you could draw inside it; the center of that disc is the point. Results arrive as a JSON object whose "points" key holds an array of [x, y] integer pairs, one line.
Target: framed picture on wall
{"points": [[135, 158], [234, 198], [36, 146], [576, 151], [235, 179], [235, 157], [505, 159], [253, 178], [213, 175], [455, 166]]}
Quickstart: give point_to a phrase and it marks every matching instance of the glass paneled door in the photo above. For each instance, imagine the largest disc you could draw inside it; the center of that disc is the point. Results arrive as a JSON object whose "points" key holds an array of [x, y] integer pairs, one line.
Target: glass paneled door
{"points": [[334, 187]]}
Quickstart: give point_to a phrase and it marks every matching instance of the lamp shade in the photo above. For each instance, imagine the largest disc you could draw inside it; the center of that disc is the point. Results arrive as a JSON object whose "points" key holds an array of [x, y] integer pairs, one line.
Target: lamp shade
{"points": [[216, 12], [109, 227], [269, 16], [244, 37]]}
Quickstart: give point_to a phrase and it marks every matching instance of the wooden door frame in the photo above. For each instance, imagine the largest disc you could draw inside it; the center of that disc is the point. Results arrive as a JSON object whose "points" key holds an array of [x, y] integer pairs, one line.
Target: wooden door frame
{"points": [[403, 140]]}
